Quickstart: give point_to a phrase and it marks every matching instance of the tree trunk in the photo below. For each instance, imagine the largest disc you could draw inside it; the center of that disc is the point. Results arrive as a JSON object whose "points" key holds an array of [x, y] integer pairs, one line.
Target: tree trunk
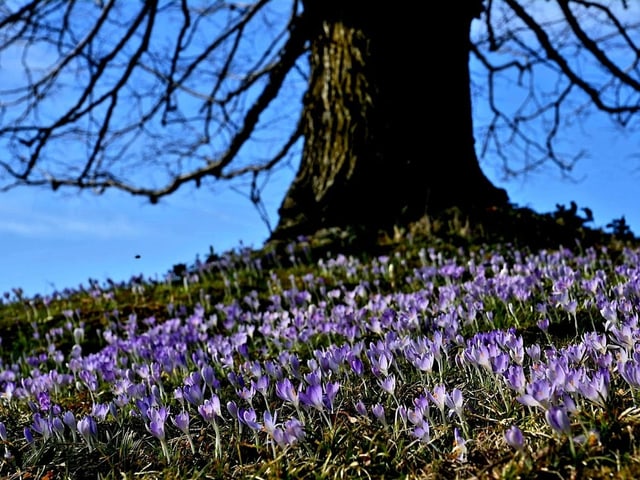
{"points": [[387, 118]]}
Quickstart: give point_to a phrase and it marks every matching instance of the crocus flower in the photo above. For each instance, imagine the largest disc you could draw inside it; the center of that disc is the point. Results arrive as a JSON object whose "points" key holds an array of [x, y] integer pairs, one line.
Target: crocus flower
{"points": [[88, 429], [514, 438], [262, 384], [314, 377], [69, 420], [232, 408], [424, 361], [538, 394], [422, 432], [44, 401], [100, 411], [28, 436], [248, 417], [208, 374], [331, 390], [455, 402], [181, 421], [210, 412], [57, 427], [157, 418], [312, 397], [41, 425], [287, 392], [78, 335], [459, 446], [558, 419], [596, 389], [438, 397], [515, 378], [388, 384], [630, 371], [356, 365], [269, 422], [361, 408], [543, 324], [378, 412], [415, 416], [380, 362], [193, 394], [293, 431], [247, 393], [210, 409]]}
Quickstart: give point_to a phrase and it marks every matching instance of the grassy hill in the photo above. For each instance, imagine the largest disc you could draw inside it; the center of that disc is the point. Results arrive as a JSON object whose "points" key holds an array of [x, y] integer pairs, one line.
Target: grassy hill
{"points": [[503, 345]]}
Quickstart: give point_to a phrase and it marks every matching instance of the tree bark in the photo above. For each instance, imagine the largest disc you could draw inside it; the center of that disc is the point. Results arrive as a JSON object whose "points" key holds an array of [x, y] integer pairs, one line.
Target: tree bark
{"points": [[387, 118]]}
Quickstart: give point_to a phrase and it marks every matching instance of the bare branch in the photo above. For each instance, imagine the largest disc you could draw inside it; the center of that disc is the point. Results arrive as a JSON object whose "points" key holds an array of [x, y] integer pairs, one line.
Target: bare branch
{"points": [[554, 55]]}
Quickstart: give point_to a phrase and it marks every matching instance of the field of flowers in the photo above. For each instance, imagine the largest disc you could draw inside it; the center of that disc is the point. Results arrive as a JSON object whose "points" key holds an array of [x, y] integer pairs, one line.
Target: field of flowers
{"points": [[418, 364]]}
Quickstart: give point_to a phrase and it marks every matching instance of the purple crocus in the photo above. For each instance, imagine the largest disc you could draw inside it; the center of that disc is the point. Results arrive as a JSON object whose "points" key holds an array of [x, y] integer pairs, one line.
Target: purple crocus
{"points": [[28, 436], [630, 371], [378, 412], [455, 402], [287, 392], [415, 416], [388, 384], [514, 438], [193, 394], [69, 420], [380, 362], [558, 419], [538, 394], [597, 388], [41, 425], [361, 408], [262, 384], [44, 401], [356, 365], [314, 377], [515, 378], [208, 375], [210, 412], [247, 393], [88, 429], [293, 431], [312, 397], [543, 324], [181, 421], [57, 427], [248, 417], [438, 398], [269, 422], [422, 432], [100, 411], [459, 446], [210, 409], [157, 418]]}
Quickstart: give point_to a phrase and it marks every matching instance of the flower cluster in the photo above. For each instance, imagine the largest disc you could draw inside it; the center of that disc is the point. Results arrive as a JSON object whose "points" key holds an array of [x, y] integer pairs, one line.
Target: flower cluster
{"points": [[412, 361]]}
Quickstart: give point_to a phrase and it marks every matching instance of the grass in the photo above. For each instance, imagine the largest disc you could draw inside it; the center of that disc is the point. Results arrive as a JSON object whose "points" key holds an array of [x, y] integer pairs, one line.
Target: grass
{"points": [[400, 353]]}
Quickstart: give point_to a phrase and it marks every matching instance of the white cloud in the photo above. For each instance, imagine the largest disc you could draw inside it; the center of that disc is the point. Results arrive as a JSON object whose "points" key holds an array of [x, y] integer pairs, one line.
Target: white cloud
{"points": [[33, 225]]}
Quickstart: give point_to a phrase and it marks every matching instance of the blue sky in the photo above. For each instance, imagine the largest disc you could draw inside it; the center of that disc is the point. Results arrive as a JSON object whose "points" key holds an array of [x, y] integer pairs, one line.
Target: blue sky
{"points": [[57, 240]]}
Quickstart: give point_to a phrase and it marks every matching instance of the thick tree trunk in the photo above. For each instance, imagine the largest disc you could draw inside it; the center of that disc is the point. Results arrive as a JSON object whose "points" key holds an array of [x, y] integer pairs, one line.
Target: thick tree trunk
{"points": [[387, 118]]}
